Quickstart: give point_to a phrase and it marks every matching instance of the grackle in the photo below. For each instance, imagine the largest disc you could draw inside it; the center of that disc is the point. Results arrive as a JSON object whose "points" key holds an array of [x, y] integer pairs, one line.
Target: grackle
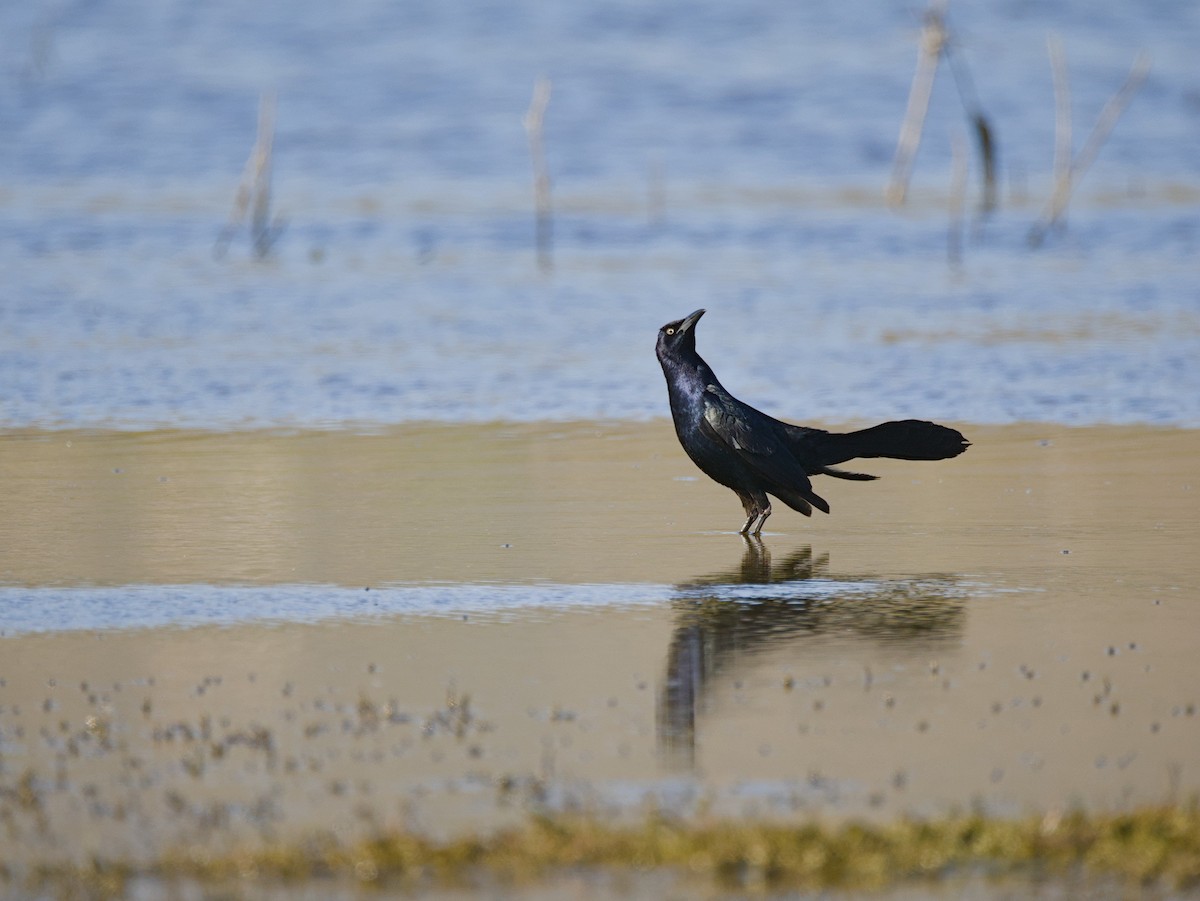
{"points": [[756, 455]]}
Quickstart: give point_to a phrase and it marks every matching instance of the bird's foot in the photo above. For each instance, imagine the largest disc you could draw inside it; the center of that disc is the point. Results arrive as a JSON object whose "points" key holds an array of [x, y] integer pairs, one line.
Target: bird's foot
{"points": [[754, 523]]}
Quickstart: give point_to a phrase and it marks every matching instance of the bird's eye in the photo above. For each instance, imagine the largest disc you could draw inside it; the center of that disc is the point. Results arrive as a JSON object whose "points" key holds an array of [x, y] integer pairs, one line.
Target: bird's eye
{"points": [[670, 331]]}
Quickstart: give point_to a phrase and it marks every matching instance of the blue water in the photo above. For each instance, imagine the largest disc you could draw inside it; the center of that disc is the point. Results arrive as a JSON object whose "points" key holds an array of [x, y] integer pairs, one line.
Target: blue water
{"points": [[704, 154], [32, 610]]}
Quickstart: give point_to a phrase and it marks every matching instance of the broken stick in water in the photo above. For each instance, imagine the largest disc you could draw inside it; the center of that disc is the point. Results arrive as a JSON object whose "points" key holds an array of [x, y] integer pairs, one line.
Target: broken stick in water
{"points": [[985, 138]]}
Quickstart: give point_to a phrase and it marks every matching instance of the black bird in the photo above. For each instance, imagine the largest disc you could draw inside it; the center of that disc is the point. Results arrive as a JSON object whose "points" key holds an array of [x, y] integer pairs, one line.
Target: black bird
{"points": [[755, 455]]}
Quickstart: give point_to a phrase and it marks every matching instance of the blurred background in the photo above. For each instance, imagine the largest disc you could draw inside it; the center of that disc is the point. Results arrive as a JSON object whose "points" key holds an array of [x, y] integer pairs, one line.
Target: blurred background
{"points": [[383, 265]]}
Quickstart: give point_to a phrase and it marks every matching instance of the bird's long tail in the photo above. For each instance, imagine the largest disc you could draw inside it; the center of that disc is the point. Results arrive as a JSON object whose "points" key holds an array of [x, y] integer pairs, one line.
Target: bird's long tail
{"points": [[905, 439]]}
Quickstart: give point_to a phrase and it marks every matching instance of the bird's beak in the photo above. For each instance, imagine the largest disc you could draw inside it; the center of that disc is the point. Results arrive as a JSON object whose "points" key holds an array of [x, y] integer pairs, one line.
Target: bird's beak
{"points": [[691, 320]]}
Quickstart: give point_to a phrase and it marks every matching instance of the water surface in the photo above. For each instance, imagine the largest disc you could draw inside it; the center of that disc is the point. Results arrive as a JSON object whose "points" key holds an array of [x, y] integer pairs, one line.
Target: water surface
{"points": [[728, 158], [576, 627]]}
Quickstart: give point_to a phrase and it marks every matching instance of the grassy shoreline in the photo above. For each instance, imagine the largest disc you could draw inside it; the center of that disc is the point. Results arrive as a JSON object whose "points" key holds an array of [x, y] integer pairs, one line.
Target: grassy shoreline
{"points": [[1152, 846]]}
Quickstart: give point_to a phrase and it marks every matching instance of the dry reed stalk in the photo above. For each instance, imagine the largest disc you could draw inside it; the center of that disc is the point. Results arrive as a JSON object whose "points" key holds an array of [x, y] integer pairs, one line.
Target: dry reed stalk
{"points": [[543, 211], [936, 42], [1062, 134], [254, 190], [1062, 114], [1071, 173], [929, 51]]}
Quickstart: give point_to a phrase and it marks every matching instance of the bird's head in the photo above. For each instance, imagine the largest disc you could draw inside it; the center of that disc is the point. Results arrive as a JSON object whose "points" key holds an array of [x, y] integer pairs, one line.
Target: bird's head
{"points": [[678, 338]]}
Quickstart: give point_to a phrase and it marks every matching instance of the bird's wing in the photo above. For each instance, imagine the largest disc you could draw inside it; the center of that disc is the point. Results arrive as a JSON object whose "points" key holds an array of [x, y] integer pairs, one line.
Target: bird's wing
{"points": [[729, 421], [755, 439]]}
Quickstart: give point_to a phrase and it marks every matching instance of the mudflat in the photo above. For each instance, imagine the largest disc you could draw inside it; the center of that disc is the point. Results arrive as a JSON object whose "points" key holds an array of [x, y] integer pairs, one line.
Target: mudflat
{"points": [[222, 640]]}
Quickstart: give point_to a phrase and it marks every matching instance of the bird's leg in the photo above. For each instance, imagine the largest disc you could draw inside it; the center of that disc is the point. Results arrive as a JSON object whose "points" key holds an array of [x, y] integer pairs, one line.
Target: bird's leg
{"points": [[758, 508], [762, 518], [751, 508]]}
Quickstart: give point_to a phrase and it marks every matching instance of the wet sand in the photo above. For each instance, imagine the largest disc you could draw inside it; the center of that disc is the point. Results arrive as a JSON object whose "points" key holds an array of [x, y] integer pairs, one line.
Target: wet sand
{"points": [[570, 503], [1013, 631]]}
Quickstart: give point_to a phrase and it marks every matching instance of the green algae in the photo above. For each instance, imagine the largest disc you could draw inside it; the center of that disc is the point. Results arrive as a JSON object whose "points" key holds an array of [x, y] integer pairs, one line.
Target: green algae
{"points": [[1151, 846]]}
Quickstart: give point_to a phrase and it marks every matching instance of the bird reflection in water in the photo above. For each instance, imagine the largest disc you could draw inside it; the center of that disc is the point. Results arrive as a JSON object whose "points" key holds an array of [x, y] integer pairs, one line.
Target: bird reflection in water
{"points": [[722, 619]]}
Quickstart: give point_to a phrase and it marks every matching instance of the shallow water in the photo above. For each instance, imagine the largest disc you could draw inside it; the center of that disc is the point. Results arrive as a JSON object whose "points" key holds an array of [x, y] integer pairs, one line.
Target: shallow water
{"points": [[192, 655], [809, 316], [731, 159]]}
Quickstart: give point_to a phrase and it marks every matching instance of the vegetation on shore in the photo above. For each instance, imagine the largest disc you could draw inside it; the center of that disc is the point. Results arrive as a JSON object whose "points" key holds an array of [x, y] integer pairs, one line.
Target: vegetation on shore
{"points": [[1152, 846]]}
